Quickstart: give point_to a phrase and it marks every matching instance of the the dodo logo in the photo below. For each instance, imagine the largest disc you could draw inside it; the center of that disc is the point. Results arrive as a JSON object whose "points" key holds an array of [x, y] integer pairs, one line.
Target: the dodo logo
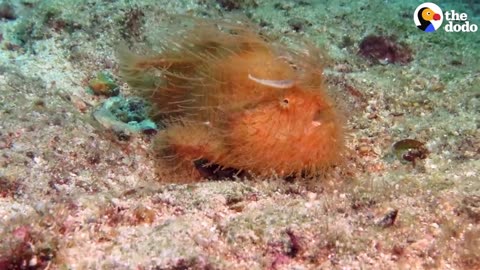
{"points": [[428, 17]]}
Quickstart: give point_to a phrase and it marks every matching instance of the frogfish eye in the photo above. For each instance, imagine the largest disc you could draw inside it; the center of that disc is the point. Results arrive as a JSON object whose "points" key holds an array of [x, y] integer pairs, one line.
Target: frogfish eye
{"points": [[284, 103]]}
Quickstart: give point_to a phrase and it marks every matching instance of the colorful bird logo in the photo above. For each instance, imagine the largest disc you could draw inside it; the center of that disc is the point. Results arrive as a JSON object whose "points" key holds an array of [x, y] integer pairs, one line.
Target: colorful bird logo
{"points": [[428, 17]]}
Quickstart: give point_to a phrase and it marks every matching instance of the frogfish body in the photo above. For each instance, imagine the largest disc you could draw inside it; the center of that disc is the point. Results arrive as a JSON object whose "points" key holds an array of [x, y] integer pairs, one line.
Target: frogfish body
{"points": [[230, 97]]}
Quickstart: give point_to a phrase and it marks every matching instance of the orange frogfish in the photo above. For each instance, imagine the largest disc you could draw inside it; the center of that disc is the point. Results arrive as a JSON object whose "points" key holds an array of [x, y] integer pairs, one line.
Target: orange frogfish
{"points": [[232, 99]]}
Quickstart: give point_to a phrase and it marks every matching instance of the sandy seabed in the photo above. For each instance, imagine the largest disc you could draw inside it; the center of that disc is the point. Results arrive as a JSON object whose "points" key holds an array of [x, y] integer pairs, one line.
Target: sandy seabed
{"points": [[76, 195]]}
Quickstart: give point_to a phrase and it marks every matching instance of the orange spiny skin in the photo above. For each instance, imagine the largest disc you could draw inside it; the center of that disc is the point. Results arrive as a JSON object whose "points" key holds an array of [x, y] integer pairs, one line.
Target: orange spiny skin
{"points": [[234, 99]]}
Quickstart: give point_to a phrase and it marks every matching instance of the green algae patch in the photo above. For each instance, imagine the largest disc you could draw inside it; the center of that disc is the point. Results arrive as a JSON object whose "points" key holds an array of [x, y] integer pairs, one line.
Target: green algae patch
{"points": [[125, 115]]}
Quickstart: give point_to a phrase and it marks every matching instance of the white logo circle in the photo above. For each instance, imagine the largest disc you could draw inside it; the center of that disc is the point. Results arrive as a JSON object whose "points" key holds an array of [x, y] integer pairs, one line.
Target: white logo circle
{"points": [[429, 24]]}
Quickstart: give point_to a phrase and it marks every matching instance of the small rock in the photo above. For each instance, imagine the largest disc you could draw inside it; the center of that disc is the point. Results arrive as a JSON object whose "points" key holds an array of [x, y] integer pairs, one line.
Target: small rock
{"points": [[471, 206], [104, 84], [389, 219], [7, 12], [410, 150], [385, 50], [298, 24], [230, 5]]}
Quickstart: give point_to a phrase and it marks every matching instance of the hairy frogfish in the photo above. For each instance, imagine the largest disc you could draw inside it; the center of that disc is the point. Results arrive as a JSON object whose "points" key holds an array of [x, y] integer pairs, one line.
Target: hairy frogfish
{"points": [[231, 98]]}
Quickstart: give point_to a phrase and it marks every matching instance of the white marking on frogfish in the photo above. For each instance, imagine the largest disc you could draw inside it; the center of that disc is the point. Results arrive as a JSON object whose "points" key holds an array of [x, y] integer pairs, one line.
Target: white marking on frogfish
{"points": [[281, 84]]}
